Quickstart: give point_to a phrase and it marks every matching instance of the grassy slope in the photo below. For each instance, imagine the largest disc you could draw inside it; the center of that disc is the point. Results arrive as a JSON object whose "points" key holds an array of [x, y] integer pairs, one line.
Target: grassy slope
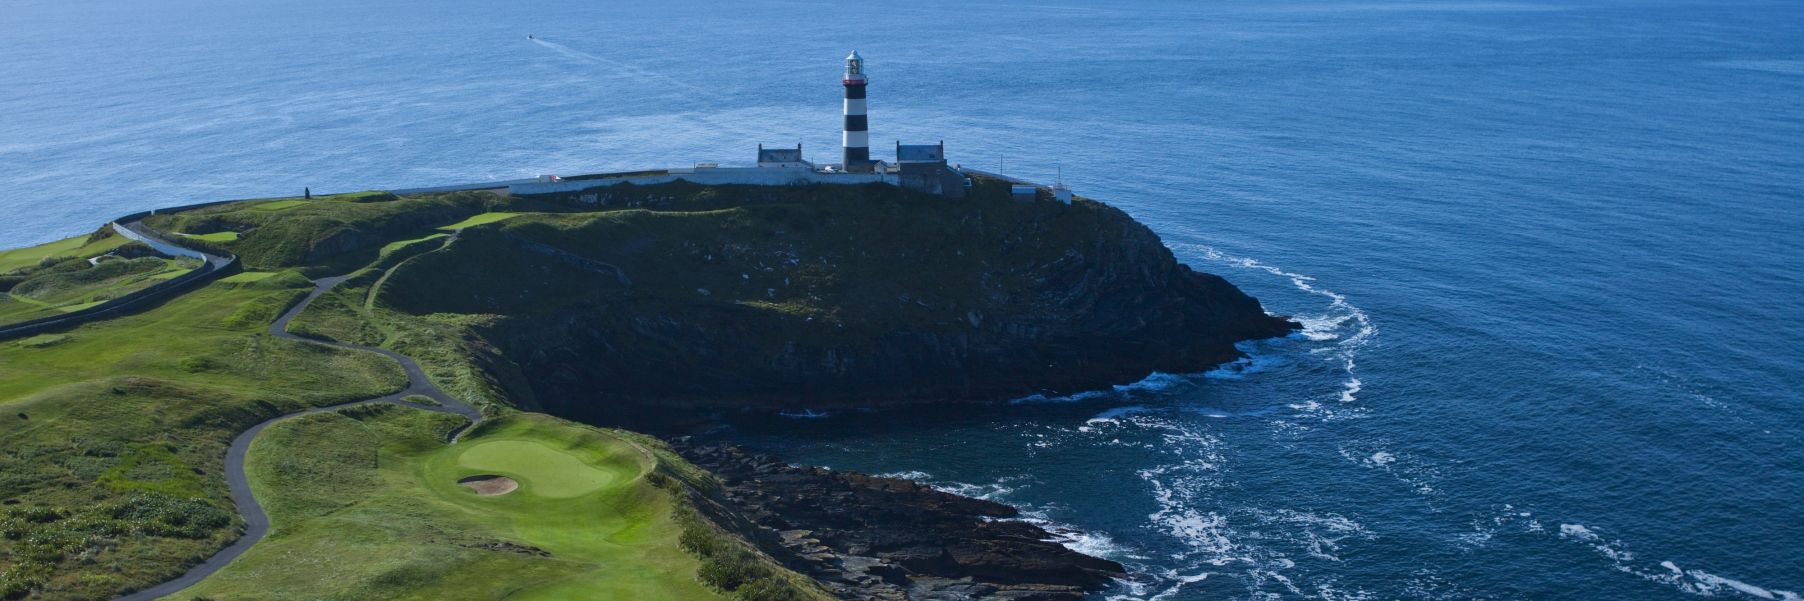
{"points": [[116, 427], [367, 507], [194, 372], [82, 246], [52, 293], [841, 260], [215, 237], [439, 342], [482, 219], [329, 235]]}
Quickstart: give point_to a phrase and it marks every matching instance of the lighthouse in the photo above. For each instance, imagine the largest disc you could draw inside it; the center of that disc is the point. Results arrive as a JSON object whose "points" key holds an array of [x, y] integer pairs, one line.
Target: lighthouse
{"points": [[857, 137]]}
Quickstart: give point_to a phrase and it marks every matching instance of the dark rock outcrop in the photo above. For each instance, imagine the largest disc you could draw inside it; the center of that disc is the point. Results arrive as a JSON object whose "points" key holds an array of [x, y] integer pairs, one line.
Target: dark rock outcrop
{"points": [[871, 537], [1005, 302]]}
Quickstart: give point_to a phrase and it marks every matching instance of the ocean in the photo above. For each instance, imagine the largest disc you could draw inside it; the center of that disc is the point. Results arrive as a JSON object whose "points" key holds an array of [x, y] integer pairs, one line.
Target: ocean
{"points": [[1548, 253]]}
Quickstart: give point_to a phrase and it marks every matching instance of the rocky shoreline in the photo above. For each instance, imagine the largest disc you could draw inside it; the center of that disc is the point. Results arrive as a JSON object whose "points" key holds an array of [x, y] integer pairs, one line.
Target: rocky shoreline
{"points": [[877, 538]]}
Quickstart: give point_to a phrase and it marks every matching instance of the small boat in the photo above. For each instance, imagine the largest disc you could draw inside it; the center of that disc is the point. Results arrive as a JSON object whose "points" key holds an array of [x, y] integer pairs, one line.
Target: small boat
{"points": [[529, 36]]}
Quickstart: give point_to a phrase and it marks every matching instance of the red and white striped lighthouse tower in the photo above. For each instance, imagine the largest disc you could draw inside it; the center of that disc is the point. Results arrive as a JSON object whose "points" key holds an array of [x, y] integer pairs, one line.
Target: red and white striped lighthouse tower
{"points": [[857, 138]]}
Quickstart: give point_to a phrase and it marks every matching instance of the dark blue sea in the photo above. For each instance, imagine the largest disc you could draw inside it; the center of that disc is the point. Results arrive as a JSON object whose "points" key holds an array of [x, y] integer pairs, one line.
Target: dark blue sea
{"points": [[1550, 254]]}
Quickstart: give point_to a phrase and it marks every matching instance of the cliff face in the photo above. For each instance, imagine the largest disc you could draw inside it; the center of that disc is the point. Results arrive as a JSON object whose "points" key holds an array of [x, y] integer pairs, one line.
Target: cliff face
{"points": [[800, 301]]}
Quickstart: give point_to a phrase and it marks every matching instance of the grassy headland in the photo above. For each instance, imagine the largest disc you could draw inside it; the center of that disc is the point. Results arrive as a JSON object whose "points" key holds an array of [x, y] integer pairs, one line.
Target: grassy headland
{"points": [[111, 469]]}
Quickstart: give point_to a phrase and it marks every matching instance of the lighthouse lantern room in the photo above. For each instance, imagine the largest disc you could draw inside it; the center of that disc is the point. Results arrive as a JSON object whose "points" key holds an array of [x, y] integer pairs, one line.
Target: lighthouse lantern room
{"points": [[857, 136]]}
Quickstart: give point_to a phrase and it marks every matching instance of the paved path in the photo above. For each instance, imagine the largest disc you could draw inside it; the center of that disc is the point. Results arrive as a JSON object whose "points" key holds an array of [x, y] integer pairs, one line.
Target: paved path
{"points": [[256, 521]]}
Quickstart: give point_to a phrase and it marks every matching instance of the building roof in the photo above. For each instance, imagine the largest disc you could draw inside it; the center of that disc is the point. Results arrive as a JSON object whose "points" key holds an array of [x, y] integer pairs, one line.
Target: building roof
{"points": [[920, 152], [780, 155]]}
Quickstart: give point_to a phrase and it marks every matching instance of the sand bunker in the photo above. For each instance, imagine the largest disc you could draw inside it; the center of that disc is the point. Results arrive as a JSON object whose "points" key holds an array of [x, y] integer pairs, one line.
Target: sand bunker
{"points": [[489, 485]]}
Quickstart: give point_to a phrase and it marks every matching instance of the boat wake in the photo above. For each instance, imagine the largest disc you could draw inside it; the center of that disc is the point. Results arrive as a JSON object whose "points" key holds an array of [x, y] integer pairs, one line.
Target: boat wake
{"points": [[623, 68]]}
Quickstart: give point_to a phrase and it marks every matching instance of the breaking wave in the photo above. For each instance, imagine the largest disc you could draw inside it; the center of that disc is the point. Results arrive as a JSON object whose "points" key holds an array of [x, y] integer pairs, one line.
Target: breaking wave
{"points": [[1341, 322], [1156, 382], [1696, 582]]}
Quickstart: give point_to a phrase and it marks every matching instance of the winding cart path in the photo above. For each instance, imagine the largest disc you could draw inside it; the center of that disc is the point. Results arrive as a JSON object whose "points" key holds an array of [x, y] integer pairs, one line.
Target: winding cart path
{"points": [[256, 521]]}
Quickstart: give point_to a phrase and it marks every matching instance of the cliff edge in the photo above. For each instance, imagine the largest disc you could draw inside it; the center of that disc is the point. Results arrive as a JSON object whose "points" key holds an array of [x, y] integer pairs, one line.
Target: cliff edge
{"points": [[687, 296]]}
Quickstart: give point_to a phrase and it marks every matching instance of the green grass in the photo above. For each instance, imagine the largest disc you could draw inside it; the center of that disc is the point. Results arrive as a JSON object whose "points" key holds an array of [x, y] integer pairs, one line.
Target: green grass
{"points": [[169, 274], [248, 276], [278, 205], [541, 470], [443, 344], [78, 307], [75, 285], [131, 417], [366, 505], [42, 340], [399, 244], [82, 246], [364, 196], [481, 219], [830, 263], [326, 238], [226, 236]]}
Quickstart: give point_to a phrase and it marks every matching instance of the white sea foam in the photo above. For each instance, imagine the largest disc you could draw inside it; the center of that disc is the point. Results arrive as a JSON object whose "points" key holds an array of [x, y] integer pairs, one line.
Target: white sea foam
{"points": [[995, 491], [1118, 412], [1095, 544], [1343, 322], [1696, 582], [804, 414], [1153, 383], [1708, 583], [1418, 475], [1251, 362]]}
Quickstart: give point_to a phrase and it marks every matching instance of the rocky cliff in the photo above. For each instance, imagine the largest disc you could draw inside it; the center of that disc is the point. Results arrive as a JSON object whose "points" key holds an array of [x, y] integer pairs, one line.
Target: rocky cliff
{"points": [[885, 539], [827, 296]]}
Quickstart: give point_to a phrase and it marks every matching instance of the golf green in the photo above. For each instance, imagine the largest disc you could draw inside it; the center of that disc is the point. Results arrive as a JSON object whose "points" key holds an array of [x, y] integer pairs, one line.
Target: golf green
{"points": [[540, 469]]}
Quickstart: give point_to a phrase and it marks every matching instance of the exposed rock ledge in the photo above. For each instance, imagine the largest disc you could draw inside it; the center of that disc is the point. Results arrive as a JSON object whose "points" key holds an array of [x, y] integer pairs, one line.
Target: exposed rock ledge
{"points": [[876, 538]]}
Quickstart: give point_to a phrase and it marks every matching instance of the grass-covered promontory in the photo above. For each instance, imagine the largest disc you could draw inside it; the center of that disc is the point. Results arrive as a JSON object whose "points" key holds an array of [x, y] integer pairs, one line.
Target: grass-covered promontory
{"points": [[810, 296], [596, 305], [365, 504]]}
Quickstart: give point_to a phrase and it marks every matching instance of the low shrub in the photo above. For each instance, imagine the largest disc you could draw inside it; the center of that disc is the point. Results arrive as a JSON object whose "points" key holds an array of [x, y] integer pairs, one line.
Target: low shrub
{"points": [[45, 536], [768, 589]]}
